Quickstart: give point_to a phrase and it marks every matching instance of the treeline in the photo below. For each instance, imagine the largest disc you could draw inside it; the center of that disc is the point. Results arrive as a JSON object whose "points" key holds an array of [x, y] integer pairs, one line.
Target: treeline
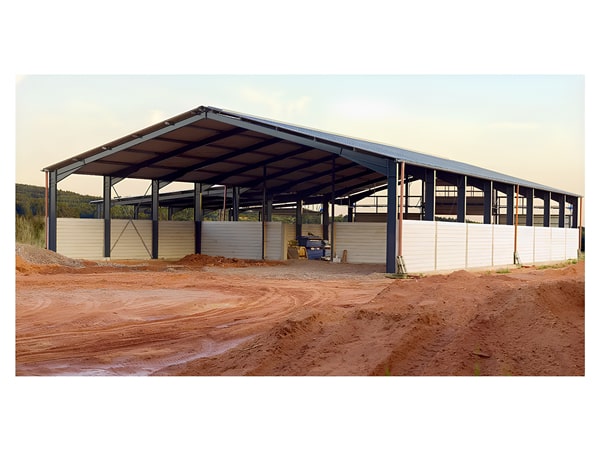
{"points": [[31, 200]]}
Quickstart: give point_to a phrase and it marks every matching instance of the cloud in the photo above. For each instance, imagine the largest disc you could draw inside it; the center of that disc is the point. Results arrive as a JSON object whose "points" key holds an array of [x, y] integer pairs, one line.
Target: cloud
{"points": [[277, 104]]}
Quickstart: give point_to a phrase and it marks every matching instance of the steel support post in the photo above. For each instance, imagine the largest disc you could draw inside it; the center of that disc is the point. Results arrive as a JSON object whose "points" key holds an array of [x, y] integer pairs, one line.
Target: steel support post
{"points": [[155, 188], [488, 189], [198, 216], [51, 210], [461, 200], [325, 214], [430, 182], [546, 199], [106, 214], [299, 206], [510, 204], [529, 208], [574, 212], [561, 211], [392, 216]]}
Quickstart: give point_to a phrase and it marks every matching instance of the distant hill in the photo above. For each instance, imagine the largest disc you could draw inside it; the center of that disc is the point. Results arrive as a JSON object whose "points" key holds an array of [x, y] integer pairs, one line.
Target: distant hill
{"points": [[30, 202]]}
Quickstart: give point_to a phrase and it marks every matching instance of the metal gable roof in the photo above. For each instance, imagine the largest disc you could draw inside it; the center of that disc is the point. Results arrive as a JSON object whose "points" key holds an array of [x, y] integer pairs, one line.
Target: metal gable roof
{"points": [[217, 146]]}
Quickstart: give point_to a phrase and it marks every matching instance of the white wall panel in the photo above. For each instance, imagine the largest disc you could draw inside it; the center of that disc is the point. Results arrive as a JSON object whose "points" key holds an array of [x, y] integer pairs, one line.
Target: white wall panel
{"points": [[479, 245], [418, 245], [526, 244], [276, 245], [175, 239], [557, 249], [504, 245], [364, 242], [232, 239], [542, 244], [571, 243], [130, 239], [451, 245], [80, 238]]}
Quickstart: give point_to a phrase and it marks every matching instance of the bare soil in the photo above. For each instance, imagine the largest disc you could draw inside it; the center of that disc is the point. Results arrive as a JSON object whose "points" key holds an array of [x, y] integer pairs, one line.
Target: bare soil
{"points": [[209, 316]]}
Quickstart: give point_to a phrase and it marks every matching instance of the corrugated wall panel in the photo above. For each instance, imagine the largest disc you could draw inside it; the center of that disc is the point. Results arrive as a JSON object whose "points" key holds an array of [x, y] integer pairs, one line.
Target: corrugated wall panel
{"points": [[131, 239], [543, 241], [276, 246], [525, 244], [418, 245], [504, 245], [175, 238], [479, 245], [80, 238], [364, 242], [232, 239], [451, 245], [558, 239], [571, 243]]}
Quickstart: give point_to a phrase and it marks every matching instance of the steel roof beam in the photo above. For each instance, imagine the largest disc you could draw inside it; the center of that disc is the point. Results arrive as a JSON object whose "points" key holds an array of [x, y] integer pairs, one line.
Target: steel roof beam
{"points": [[65, 171], [186, 148], [221, 158], [375, 163]]}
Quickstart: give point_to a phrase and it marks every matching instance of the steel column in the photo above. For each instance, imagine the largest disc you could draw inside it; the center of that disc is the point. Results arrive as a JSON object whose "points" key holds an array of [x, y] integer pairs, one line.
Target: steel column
{"points": [[155, 188], [461, 201], [546, 199], [325, 215], [561, 211], [430, 182], [488, 189], [510, 204], [299, 206], [106, 214], [198, 216], [392, 216], [529, 209], [51, 210]]}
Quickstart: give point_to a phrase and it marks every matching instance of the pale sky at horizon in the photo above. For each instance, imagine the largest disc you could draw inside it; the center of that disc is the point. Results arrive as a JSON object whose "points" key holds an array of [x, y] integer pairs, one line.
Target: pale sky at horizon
{"points": [[528, 126]]}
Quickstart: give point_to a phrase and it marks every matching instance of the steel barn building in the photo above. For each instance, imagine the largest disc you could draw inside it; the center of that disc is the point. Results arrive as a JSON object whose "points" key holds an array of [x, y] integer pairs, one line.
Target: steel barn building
{"points": [[237, 161]]}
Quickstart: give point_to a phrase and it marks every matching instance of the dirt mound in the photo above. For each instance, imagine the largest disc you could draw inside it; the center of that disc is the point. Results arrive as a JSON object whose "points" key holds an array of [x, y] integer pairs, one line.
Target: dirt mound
{"points": [[30, 255], [220, 261]]}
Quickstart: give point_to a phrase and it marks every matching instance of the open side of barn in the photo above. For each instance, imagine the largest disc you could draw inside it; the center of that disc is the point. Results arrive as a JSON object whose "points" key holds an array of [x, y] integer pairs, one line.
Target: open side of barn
{"points": [[426, 218]]}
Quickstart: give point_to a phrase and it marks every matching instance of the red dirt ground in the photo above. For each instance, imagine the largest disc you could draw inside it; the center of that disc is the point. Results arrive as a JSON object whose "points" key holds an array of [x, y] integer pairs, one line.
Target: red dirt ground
{"points": [[216, 316]]}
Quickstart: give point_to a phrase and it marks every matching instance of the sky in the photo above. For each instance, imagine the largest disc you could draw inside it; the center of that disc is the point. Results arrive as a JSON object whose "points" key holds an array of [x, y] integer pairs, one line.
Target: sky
{"points": [[501, 85], [528, 126]]}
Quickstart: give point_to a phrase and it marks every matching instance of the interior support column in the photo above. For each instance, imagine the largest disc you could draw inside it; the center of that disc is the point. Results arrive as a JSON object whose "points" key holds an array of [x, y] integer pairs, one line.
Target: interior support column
{"points": [[529, 209], [561, 211], [198, 216], [332, 237], [488, 189], [51, 211], [510, 204], [461, 201], [106, 214], [392, 216], [430, 181], [155, 188], [325, 219], [299, 206], [236, 203], [546, 198]]}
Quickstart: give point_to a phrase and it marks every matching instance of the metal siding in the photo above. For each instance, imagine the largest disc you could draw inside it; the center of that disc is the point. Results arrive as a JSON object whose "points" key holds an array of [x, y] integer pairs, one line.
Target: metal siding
{"points": [[80, 238], [543, 241], [175, 238], [364, 242], [504, 245], [451, 245], [276, 245], [526, 244], [418, 245], [232, 239], [479, 245], [130, 239], [557, 248], [571, 243]]}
